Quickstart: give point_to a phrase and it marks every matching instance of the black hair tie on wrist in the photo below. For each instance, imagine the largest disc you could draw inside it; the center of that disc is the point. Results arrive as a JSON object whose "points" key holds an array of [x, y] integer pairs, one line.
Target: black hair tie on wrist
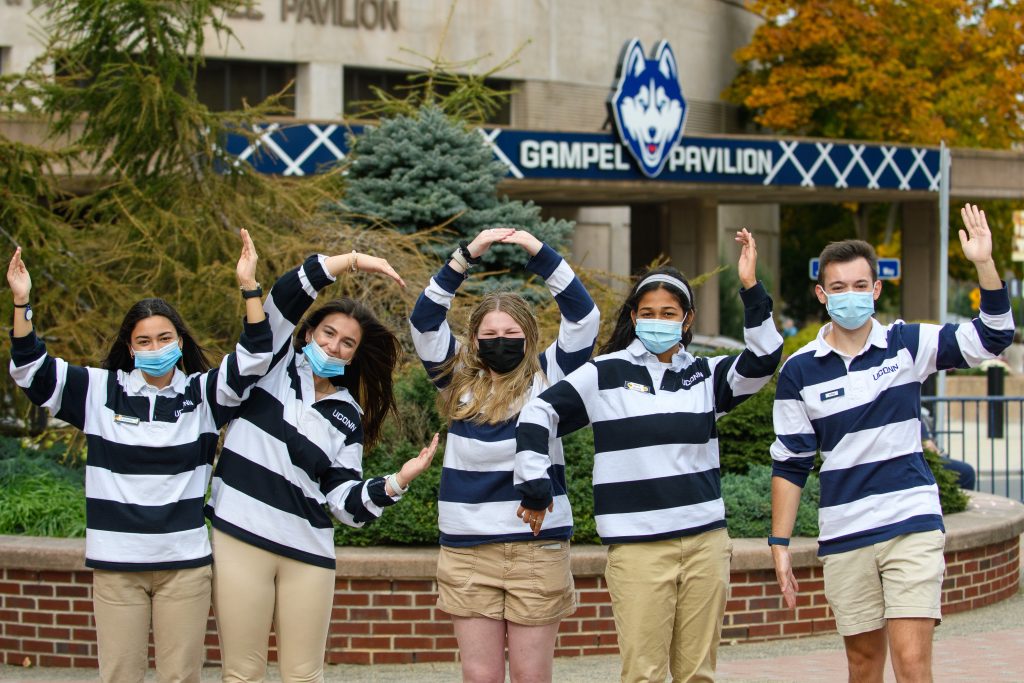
{"points": [[464, 250]]}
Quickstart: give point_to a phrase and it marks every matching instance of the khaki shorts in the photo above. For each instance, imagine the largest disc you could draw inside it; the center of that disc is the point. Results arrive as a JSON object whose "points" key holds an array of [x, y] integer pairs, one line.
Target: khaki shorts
{"points": [[527, 582], [895, 579]]}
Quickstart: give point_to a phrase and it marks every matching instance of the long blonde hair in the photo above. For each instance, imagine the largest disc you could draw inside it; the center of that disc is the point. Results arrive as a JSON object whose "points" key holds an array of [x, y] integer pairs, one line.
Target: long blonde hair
{"points": [[491, 399]]}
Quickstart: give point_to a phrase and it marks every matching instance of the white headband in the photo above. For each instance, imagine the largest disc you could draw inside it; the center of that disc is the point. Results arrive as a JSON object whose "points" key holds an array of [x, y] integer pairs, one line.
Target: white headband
{"points": [[667, 279]]}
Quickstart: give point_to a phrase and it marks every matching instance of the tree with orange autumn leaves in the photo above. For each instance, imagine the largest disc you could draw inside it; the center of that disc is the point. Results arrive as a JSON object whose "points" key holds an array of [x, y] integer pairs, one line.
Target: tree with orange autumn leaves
{"points": [[910, 71], [901, 71]]}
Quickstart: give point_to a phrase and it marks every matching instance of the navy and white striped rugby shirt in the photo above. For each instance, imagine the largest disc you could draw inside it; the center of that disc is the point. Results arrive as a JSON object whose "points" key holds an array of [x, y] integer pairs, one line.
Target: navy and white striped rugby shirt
{"points": [[150, 450], [656, 468], [287, 456], [477, 499], [863, 414]]}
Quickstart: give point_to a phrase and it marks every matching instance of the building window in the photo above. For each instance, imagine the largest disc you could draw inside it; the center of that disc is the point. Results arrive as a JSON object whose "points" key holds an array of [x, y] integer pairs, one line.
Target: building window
{"points": [[358, 82], [223, 84]]}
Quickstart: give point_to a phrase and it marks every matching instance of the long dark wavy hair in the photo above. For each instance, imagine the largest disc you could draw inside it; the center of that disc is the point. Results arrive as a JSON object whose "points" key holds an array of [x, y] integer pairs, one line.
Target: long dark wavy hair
{"points": [[193, 356], [624, 332], [368, 375]]}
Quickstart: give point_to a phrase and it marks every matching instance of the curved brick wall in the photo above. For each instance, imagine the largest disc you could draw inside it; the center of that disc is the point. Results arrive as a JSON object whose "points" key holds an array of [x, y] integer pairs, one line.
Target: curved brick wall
{"points": [[384, 597]]}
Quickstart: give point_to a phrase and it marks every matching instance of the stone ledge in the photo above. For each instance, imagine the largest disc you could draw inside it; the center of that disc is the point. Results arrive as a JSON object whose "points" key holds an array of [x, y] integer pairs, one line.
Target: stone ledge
{"points": [[989, 519]]}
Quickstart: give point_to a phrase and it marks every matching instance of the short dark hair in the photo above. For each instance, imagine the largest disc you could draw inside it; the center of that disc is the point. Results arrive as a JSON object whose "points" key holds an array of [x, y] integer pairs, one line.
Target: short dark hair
{"points": [[844, 252]]}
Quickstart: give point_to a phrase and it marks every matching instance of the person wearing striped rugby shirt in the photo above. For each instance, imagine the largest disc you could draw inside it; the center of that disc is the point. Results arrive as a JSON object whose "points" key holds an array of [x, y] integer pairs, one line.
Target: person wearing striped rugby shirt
{"points": [[854, 394], [294, 452], [657, 490], [151, 417], [497, 581]]}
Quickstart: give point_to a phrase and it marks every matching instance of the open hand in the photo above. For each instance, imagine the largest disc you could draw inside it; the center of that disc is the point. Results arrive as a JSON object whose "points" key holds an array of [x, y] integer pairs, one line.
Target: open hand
{"points": [[976, 240], [483, 241], [784, 575], [747, 266], [246, 268], [531, 244], [414, 467], [375, 264], [18, 278]]}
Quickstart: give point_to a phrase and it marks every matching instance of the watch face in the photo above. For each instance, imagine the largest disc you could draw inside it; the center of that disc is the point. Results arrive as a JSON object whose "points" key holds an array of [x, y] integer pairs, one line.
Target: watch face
{"points": [[28, 313]]}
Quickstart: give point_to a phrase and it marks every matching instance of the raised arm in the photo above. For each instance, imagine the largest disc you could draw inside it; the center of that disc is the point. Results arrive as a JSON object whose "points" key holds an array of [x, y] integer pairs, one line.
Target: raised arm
{"points": [[230, 384], [295, 291], [48, 382], [577, 331], [736, 378], [431, 335], [983, 338]]}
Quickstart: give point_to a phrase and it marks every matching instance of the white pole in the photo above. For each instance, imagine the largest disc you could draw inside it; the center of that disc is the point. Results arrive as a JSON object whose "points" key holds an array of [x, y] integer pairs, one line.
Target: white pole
{"points": [[944, 167]]}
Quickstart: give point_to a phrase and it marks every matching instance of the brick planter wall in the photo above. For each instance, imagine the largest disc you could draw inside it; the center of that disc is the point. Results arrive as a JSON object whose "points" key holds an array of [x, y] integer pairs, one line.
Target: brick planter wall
{"points": [[384, 597]]}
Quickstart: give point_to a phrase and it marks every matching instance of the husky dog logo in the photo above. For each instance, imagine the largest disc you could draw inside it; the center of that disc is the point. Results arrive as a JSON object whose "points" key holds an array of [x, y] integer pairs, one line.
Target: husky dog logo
{"points": [[648, 105]]}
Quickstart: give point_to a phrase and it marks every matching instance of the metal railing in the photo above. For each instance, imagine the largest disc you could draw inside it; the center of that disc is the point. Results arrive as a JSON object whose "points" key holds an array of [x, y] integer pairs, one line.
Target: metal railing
{"points": [[985, 432]]}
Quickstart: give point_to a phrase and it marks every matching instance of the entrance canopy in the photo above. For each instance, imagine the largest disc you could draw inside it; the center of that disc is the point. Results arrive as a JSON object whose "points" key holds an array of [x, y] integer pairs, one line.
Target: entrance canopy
{"points": [[595, 168]]}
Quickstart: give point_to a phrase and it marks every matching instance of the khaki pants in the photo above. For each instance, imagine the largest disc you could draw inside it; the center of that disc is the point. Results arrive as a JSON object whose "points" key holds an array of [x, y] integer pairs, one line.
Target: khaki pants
{"points": [[253, 588], [669, 598], [175, 601]]}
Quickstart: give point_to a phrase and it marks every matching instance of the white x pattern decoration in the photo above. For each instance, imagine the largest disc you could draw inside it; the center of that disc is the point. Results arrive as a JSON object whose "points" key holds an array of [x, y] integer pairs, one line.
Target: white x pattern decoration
{"points": [[274, 139], [293, 165], [788, 160]]}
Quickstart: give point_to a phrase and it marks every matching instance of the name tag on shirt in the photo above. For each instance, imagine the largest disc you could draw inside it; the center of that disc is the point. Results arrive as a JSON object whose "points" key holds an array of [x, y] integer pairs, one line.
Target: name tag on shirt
{"points": [[642, 388], [126, 419], [835, 393]]}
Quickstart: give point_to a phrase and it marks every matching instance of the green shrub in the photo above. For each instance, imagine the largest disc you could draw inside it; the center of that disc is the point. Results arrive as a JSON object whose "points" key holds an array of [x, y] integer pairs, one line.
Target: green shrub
{"points": [[38, 496], [951, 496], [748, 504], [579, 467], [791, 345]]}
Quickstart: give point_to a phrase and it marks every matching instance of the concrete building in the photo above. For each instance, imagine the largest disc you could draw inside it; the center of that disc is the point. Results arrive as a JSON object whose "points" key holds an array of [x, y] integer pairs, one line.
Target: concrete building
{"points": [[567, 56]]}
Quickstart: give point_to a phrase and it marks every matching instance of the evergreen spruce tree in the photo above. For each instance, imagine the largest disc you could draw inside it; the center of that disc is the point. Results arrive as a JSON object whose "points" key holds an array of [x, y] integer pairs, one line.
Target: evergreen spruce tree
{"points": [[420, 170]]}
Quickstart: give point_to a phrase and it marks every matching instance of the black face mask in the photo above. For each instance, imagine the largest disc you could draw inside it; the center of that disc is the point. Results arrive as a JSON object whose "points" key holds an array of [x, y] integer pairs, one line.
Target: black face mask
{"points": [[501, 354]]}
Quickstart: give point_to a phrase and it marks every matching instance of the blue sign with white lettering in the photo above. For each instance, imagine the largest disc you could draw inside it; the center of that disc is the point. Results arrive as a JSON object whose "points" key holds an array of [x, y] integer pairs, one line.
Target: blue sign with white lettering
{"points": [[303, 149], [888, 268]]}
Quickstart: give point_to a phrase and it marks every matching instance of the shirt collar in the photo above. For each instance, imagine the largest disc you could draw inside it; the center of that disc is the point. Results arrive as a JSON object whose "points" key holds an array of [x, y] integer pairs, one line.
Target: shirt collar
{"points": [[876, 337], [680, 358], [138, 384], [305, 370]]}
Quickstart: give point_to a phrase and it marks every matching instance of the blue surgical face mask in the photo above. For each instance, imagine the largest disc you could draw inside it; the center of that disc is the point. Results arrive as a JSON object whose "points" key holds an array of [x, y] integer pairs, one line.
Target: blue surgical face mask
{"points": [[659, 336], [850, 310], [322, 364], [159, 362]]}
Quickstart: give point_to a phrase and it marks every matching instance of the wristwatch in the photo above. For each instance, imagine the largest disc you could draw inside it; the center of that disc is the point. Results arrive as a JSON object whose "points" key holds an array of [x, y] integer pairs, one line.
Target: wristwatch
{"points": [[28, 309], [778, 540], [251, 293]]}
